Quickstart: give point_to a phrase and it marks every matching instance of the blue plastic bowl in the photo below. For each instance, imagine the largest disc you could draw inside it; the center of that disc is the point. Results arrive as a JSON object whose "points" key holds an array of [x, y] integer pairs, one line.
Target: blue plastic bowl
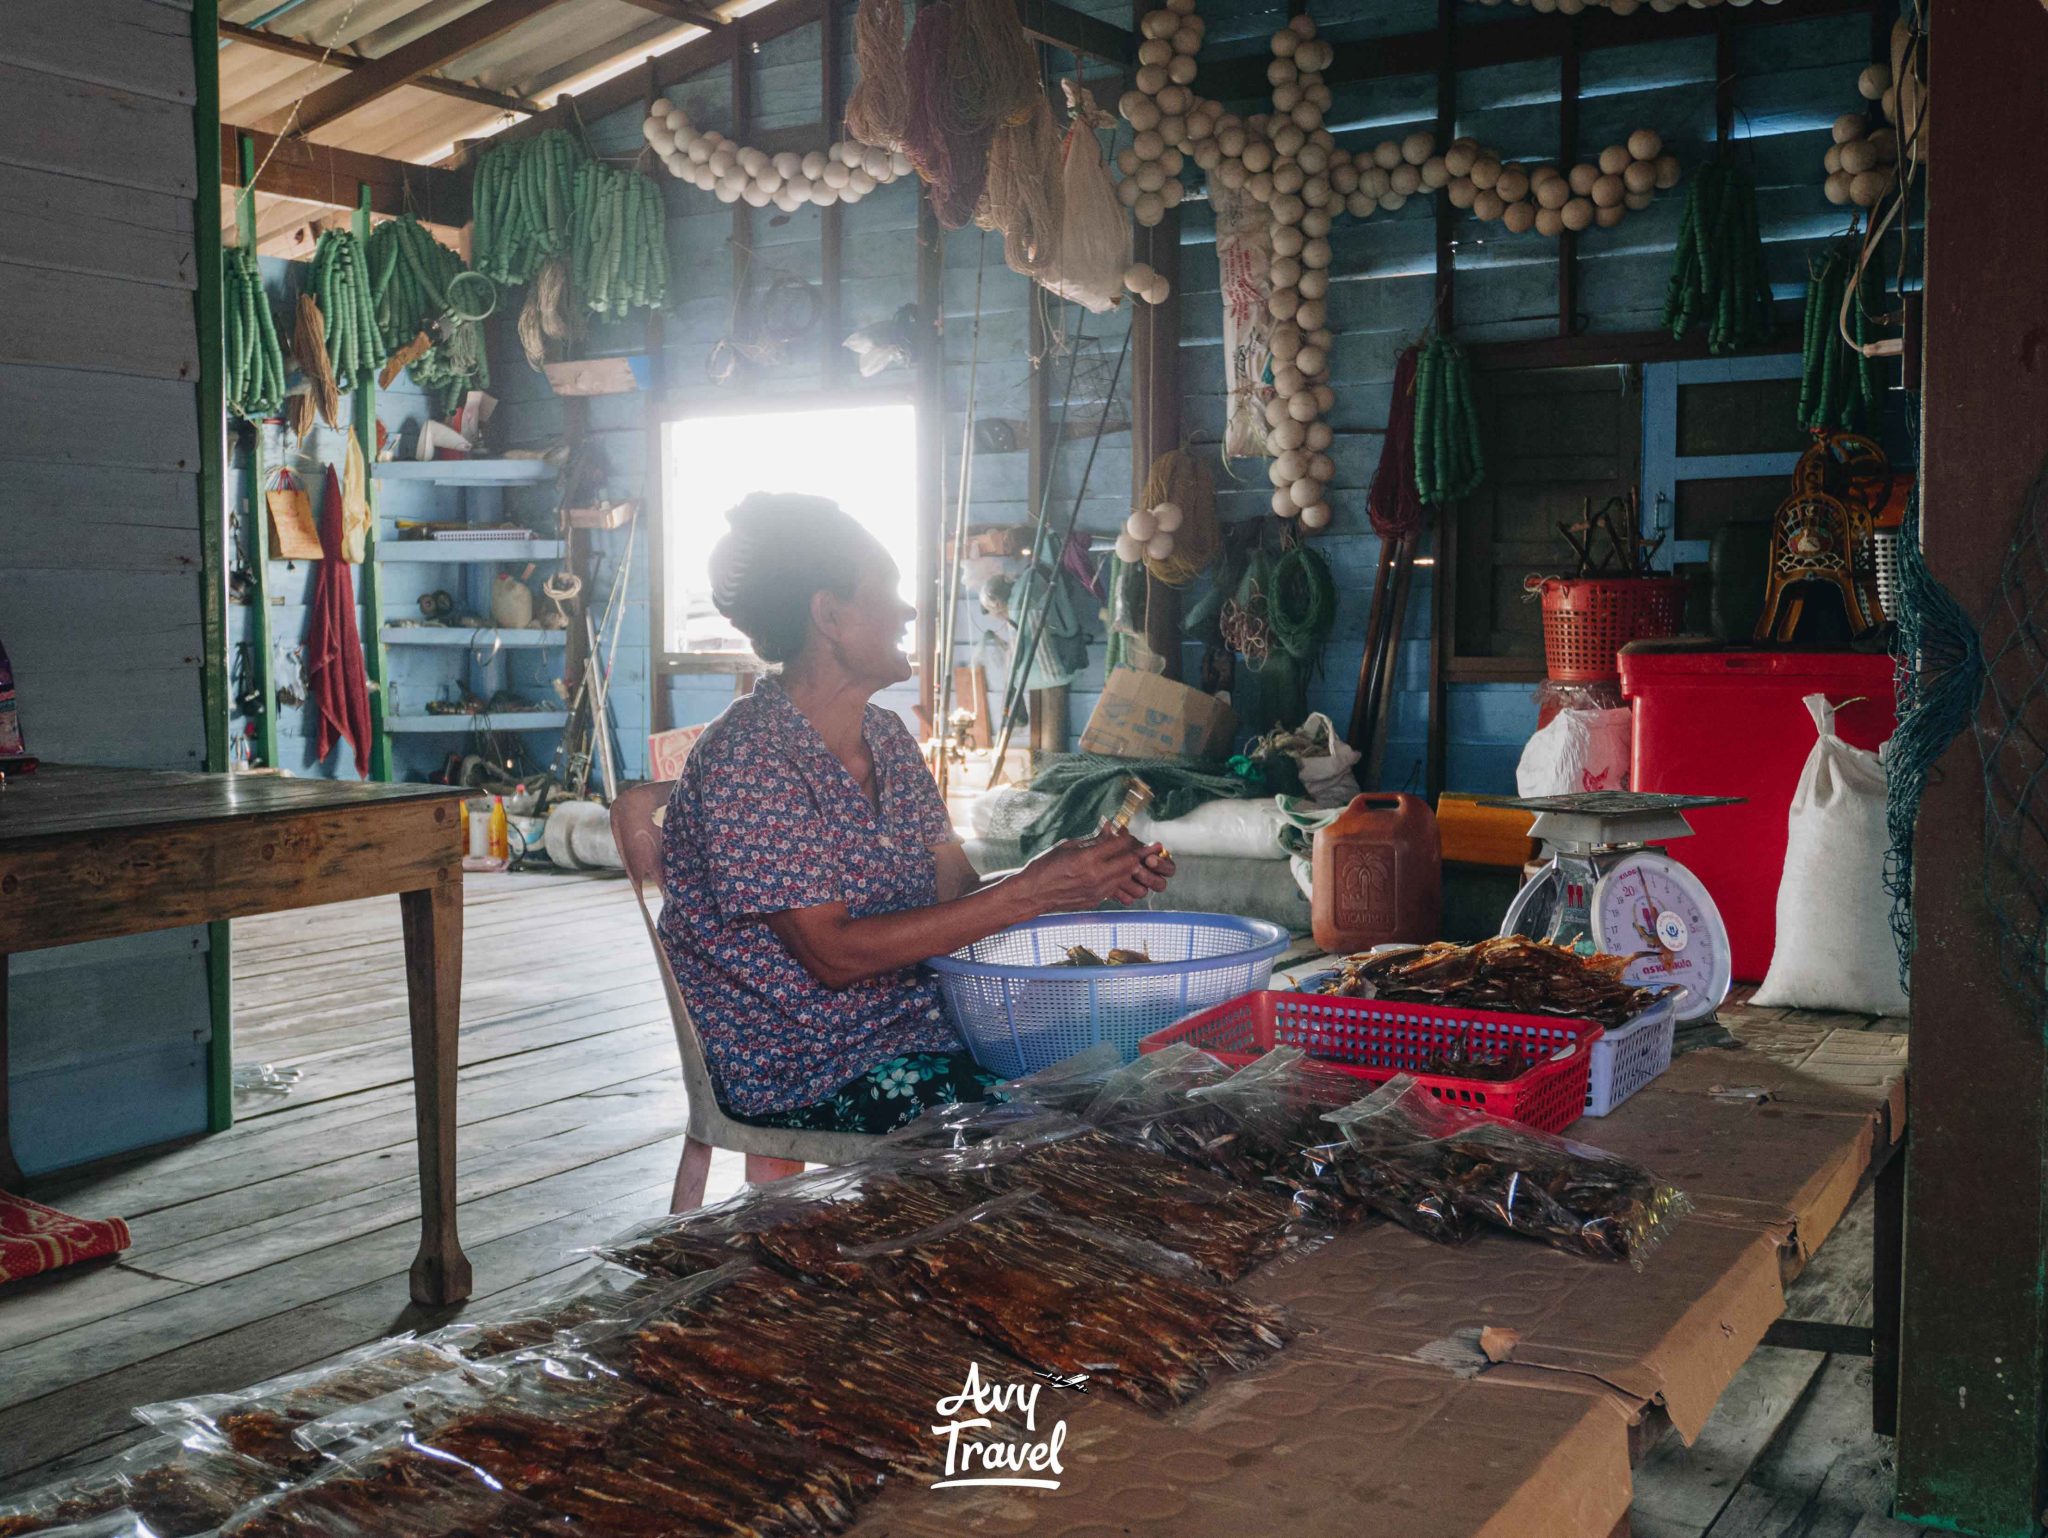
{"points": [[1019, 1008]]}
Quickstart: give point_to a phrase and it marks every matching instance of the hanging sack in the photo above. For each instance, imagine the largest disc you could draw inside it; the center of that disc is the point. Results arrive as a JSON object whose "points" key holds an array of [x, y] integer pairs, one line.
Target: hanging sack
{"points": [[1244, 262], [1095, 238], [293, 536], [1579, 750], [355, 504], [1835, 948]]}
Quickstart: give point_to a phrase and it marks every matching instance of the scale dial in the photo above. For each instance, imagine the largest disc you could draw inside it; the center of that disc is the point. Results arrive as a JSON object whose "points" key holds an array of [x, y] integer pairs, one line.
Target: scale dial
{"points": [[1648, 902]]}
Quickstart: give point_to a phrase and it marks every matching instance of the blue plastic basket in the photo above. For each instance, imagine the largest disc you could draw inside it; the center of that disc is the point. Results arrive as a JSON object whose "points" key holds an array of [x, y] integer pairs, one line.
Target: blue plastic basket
{"points": [[1019, 1010]]}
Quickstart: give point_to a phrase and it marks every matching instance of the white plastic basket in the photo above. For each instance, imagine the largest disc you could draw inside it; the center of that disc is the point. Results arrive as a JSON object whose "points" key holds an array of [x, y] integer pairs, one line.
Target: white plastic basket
{"points": [[1625, 1060]]}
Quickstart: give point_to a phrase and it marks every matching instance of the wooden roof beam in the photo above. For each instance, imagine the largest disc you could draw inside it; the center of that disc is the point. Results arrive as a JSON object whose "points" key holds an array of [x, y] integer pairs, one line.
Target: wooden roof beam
{"points": [[313, 53], [684, 11], [380, 76], [331, 176]]}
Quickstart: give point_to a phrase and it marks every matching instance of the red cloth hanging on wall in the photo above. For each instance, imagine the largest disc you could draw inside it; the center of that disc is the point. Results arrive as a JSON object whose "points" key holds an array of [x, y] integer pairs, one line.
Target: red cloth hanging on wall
{"points": [[334, 647]]}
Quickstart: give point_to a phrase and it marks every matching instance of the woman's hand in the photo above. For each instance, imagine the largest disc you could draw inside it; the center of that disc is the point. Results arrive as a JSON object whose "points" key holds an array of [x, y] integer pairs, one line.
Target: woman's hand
{"points": [[1078, 874]]}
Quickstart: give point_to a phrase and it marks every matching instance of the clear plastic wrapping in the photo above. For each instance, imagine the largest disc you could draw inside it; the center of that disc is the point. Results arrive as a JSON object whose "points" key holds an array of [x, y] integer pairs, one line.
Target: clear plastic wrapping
{"points": [[616, 1458], [1068, 1297], [1570, 1196], [179, 1485], [497, 1330], [120, 1523], [806, 1360], [1071, 1084], [259, 1422], [391, 1489]]}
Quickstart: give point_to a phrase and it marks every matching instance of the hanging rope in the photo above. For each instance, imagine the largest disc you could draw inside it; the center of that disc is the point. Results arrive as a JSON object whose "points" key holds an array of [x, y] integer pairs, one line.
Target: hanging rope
{"points": [[878, 109], [1449, 463], [1025, 197], [1719, 277], [996, 78], [1840, 388], [255, 360], [1178, 477]]}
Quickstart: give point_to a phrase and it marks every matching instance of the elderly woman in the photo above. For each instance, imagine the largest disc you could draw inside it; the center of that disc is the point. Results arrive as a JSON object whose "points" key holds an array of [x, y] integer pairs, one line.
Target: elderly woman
{"points": [[809, 864]]}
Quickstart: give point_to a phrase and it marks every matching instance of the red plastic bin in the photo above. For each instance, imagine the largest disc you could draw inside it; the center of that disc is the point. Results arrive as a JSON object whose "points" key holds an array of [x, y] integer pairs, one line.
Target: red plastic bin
{"points": [[1373, 1040], [1730, 723]]}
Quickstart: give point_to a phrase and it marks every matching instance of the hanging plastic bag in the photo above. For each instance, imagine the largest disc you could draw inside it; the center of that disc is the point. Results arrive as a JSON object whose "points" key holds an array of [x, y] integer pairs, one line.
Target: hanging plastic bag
{"points": [[1579, 750], [1835, 948], [1095, 239], [11, 745], [355, 504], [293, 535]]}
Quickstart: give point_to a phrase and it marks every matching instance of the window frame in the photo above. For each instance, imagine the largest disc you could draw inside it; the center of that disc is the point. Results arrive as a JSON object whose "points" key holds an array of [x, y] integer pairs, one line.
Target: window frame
{"points": [[746, 664], [1663, 467]]}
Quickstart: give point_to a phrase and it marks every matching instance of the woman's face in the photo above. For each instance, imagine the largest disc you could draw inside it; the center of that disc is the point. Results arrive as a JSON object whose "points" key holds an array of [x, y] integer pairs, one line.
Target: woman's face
{"points": [[865, 631]]}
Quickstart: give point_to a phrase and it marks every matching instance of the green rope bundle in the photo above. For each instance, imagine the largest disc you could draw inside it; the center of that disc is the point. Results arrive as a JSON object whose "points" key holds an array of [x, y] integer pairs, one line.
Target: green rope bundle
{"points": [[340, 283], [618, 249], [1840, 388], [1719, 277], [1449, 462], [523, 198], [409, 276], [255, 360]]}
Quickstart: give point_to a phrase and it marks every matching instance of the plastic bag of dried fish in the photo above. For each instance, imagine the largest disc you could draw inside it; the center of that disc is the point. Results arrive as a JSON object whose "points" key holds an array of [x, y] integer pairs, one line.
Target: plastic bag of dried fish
{"points": [[611, 1455], [390, 1489], [179, 1484], [1569, 1195], [1071, 1084], [1510, 972], [259, 1422], [807, 1360], [499, 1329], [120, 1523], [1069, 1297]]}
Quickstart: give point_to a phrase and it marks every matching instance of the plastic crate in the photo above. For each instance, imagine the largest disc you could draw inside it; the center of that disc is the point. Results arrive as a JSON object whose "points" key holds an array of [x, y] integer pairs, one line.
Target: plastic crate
{"points": [[1587, 620], [1375, 1039], [1626, 1059], [1019, 1009]]}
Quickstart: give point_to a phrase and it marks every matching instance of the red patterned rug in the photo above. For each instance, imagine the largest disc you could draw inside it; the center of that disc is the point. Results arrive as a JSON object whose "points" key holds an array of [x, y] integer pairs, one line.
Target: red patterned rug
{"points": [[35, 1238]]}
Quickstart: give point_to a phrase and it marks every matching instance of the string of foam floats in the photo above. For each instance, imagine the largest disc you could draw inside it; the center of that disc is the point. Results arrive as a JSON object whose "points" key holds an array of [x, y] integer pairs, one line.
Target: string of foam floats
{"points": [[844, 172]]}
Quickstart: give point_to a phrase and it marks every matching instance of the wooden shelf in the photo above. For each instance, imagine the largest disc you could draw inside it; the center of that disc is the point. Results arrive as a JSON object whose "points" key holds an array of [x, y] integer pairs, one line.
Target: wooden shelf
{"points": [[480, 635], [440, 551], [503, 721], [466, 472]]}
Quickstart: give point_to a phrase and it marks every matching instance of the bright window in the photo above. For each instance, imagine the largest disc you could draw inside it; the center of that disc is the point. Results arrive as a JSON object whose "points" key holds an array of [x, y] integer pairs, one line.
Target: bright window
{"points": [[862, 457]]}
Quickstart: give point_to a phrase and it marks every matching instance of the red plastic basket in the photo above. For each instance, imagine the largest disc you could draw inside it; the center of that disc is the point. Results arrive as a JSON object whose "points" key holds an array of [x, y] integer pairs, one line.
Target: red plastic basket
{"points": [[1586, 620], [1373, 1040]]}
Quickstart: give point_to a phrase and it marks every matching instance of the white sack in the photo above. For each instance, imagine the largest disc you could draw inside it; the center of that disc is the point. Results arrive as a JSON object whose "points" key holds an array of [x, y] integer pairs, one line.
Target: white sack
{"points": [[1244, 261], [1579, 750], [1835, 948], [1327, 778], [1222, 829]]}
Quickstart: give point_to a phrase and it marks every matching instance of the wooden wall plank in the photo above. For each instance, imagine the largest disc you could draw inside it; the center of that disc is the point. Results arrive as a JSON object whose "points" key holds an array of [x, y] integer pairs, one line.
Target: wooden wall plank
{"points": [[79, 320], [93, 131], [92, 227], [132, 45], [73, 417], [92, 518]]}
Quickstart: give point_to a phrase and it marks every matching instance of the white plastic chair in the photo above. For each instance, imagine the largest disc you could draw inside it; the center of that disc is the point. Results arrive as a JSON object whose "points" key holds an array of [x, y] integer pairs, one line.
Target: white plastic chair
{"points": [[771, 1152]]}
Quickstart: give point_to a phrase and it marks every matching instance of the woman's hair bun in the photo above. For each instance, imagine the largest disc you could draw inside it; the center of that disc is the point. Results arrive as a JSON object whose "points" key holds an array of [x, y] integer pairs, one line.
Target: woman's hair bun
{"points": [[781, 549]]}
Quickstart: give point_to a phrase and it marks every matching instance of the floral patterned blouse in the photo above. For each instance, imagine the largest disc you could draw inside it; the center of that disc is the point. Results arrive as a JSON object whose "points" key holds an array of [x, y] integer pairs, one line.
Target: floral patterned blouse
{"points": [[765, 819]]}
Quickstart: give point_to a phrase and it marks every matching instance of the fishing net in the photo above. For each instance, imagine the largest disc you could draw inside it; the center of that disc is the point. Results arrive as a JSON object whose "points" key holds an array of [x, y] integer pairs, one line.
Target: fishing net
{"points": [[878, 109], [1024, 197], [949, 150], [995, 76], [2012, 738], [1178, 477]]}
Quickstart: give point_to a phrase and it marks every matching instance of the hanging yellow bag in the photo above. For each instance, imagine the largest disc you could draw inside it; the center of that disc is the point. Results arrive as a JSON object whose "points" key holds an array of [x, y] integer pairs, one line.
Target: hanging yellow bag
{"points": [[293, 536]]}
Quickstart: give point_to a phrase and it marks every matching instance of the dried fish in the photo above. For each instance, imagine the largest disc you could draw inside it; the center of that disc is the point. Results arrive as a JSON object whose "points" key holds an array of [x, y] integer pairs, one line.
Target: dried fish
{"points": [[179, 1485], [398, 1492], [1508, 972]]}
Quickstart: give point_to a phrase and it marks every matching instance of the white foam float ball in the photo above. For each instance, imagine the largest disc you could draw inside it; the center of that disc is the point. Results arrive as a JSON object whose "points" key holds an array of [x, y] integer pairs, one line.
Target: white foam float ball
{"points": [[1147, 144], [1150, 176], [1635, 200], [1359, 206], [1315, 253], [1159, 547], [1406, 180], [859, 184], [1289, 434], [1580, 179], [1520, 217], [1304, 25], [1577, 214], [1306, 493], [1461, 192], [1308, 117], [1614, 160], [1486, 173], [1608, 218], [1387, 154], [1461, 156], [1303, 407], [1284, 43], [1288, 177], [1314, 285], [1315, 223], [1276, 410], [1488, 205], [1288, 209], [1555, 192], [1324, 398], [1187, 42], [1874, 82], [1283, 505], [1641, 176], [1172, 161], [1311, 361], [1282, 72], [1167, 516], [1149, 209], [1231, 174], [1850, 125], [1435, 172], [1155, 50], [812, 165], [1159, 23], [1319, 437], [1207, 156], [1287, 141], [1607, 192], [1512, 185], [1290, 381], [1260, 186], [1128, 550], [1173, 192], [1141, 525], [1375, 182], [1287, 240], [1549, 221], [1289, 467], [728, 192], [1286, 271], [1316, 516], [1309, 314], [1645, 144], [1128, 192], [1418, 147], [901, 163], [1258, 155], [1668, 172]]}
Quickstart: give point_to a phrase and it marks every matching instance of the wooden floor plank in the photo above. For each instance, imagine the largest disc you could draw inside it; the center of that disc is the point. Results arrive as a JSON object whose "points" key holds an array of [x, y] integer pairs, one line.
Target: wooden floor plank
{"points": [[1825, 1476], [1680, 1491]]}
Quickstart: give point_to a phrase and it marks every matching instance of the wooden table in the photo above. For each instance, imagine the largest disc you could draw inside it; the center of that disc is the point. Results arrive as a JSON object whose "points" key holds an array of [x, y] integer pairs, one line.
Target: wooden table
{"points": [[88, 854]]}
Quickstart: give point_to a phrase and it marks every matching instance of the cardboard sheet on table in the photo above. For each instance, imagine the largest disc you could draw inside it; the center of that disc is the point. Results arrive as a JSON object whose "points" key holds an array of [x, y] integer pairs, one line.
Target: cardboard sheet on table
{"points": [[1763, 1165], [1311, 1445], [1851, 1072], [1671, 1334]]}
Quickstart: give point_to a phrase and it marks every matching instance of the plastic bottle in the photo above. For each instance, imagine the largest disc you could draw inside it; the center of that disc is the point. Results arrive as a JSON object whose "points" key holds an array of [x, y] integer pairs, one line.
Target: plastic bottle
{"points": [[501, 836], [1377, 875]]}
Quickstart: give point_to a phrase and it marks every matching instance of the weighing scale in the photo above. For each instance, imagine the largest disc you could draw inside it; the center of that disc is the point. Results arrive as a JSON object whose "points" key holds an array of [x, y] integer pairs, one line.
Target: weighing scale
{"points": [[1605, 890]]}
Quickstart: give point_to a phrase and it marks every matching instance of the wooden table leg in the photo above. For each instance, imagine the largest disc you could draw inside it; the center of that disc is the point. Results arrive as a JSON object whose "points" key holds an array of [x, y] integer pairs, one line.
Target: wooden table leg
{"points": [[11, 1178], [433, 984], [1887, 1265]]}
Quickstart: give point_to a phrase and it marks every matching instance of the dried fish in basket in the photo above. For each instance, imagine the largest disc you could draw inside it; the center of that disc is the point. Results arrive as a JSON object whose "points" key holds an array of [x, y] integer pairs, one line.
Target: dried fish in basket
{"points": [[180, 1485], [810, 1361], [260, 1422], [1507, 972], [1066, 1297]]}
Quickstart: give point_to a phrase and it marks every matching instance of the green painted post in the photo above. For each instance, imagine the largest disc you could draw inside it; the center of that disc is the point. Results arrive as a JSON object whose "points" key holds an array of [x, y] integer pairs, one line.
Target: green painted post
{"points": [[213, 668], [364, 423], [259, 517]]}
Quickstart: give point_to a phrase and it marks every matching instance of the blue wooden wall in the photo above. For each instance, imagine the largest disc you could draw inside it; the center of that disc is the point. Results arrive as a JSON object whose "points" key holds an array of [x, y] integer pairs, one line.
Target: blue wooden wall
{"points": [[1793, 79], [100, 518]]}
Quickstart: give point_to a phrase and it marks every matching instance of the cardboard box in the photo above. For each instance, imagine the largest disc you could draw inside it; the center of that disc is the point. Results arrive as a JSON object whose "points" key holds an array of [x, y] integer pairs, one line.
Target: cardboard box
{"points": [[1143, 715]]}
